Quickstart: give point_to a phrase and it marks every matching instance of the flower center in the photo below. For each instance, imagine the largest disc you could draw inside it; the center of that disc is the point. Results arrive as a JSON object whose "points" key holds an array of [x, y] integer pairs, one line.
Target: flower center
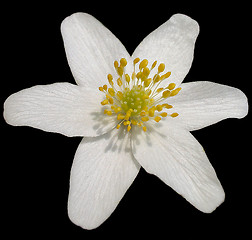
{"points": [[137, 99]]}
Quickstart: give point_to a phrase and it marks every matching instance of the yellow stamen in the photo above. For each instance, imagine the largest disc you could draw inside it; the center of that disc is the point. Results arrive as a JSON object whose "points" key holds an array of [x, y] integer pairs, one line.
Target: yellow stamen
{"points": [[159, 108], [143, 64], [120, 116], [105, 87], [111, 92], [175, 91], [161, 67], [174, 115], [171, 86], [119, 82], [123, 62], [145, 119], [104, 102], [157, 118], [166, 94], [164, 114], [137, 97]]}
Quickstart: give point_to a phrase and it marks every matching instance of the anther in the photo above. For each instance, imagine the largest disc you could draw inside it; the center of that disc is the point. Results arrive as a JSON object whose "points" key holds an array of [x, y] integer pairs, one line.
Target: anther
{"points": [[175, 91], [104, 102], [111, 92], [123, 62], [157, 118], [166, 94], [171, 86], [136, 60], [143, 64], [174, 115], [145, 119], [161, 67]]}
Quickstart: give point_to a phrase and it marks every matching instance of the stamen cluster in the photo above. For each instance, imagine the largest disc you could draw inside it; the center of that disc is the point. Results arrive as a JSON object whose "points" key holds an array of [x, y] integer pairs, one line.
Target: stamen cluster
{"points": [[136, 99]]}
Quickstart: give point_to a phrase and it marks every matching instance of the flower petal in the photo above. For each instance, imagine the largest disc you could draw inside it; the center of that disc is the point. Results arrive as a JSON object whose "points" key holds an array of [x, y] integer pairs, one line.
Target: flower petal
{"points": [[102, 171], [61, 107], [173, 44], [91, 49], [201, 104], [177, 158]]}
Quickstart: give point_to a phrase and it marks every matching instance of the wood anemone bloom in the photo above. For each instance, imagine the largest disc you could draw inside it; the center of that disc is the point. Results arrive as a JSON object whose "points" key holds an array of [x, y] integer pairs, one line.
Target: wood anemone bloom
{"points": [[132, 111]]}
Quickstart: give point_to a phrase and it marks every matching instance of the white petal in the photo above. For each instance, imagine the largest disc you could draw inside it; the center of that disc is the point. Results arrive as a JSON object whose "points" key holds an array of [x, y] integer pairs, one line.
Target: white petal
{"points": [[102, 171], [201, 104], [91, 49], [173, 44], [176, 157], [61, 107]]}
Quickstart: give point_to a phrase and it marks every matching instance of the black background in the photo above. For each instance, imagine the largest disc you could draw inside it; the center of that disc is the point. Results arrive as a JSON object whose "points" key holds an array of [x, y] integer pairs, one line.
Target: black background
{"points": [[35, 165]]}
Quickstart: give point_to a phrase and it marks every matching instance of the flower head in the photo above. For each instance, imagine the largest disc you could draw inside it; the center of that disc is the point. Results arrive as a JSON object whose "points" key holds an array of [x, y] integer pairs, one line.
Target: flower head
{"points": [[133, 111]]}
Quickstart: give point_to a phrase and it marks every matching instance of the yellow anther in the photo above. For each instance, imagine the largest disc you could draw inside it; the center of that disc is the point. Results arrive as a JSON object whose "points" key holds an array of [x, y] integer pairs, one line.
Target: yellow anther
{"points": [[133, 121], [128, 128], [117, 109], [143, 114], [143, 64], [111, 92], [110, 77], [136, 60], [146, 71], [126, 123], [109, 113], [118, 126], [119, 82], [127, 117], [153, 65], [157, 118], [119, 94], [161, 67], [104, 102], [175, 91], [144, 128], [171, 86], [105, 111], [166, 105], [168, 74], [164, 114], [145, 119], [105, 87], [120, 116], [152, 112], [166, 94], [147, 82], [120, 71], [156, 78], [101, 89], [123, 62], [159, 108], [160, 89], [127, 78], [174, 115], [111, 101], [116, 64]]}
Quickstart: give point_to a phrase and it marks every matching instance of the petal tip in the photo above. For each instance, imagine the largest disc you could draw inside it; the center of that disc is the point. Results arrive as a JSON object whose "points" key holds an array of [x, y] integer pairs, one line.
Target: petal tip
{"points": [[187, 22]]}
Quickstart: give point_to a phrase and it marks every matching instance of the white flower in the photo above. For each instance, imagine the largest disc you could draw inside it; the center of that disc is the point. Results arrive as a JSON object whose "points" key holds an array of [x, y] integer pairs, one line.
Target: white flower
{"points": [[133, 111]]}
